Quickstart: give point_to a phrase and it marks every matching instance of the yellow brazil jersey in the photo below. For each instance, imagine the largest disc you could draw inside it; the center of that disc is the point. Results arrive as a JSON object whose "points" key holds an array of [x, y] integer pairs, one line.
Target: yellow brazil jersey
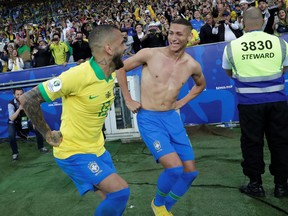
{"points": [[86, 98], [59, 52], [195, 37]]}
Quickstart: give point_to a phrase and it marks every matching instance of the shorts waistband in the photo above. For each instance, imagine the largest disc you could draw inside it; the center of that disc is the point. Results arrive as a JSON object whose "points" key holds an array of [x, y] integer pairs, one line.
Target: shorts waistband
{"points": [[156, 113]]}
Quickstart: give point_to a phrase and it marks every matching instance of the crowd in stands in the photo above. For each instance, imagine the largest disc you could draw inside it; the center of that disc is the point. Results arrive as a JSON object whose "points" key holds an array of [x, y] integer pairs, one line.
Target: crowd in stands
{"points": [[41, 33]]}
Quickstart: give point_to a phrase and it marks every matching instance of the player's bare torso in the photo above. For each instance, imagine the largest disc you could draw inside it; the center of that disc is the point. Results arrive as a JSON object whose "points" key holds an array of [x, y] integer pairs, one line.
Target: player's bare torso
{"points": [[162, 78]]}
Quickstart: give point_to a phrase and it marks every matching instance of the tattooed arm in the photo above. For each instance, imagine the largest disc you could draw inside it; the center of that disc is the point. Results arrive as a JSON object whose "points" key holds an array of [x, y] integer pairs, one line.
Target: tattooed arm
{"points": [[31, 102]]}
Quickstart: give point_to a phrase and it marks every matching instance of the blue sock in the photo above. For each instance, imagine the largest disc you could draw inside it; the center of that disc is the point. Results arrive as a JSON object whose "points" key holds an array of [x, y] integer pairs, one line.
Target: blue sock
{"points": [[180, 188], [114, 204], [165, 182]]}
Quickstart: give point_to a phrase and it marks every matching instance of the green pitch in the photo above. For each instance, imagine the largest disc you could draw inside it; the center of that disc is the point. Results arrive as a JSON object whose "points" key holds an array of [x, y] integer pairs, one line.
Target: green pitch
{"points": [[35, 186]]}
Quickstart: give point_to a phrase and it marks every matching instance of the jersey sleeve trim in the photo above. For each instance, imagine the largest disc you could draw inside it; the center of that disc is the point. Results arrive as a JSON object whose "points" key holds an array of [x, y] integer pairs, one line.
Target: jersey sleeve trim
{"points": [[43, 93]]}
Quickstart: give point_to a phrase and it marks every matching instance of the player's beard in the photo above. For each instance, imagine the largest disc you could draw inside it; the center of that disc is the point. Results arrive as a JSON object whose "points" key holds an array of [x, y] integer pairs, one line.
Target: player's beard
{"points": [[117, 60]]}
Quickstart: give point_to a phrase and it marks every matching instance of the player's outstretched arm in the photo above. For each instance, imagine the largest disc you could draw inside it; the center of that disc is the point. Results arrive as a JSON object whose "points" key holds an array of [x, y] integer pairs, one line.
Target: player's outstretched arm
{"points": [[31, 102], [138, 59]]}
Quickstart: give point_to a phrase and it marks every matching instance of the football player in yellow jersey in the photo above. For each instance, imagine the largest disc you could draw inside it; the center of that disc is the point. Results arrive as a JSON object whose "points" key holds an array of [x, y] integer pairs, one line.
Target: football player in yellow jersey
{"points": [[87, 94]]}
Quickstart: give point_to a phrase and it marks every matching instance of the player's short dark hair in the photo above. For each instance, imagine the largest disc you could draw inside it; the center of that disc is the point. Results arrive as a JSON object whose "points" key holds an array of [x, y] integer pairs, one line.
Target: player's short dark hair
{"points": [[101, 33], [182, 21]]}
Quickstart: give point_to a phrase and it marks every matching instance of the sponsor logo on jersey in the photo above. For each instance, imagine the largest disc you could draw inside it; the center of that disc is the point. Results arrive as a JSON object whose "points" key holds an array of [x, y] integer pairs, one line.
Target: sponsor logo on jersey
{"points": [[91, 97]]}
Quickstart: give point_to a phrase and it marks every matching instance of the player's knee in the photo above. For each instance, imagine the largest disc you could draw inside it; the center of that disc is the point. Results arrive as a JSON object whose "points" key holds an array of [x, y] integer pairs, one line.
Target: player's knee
{"points": [[123, 194], [114, 204], [120, 197], [125, 184], [175, 171], [189, 177]]}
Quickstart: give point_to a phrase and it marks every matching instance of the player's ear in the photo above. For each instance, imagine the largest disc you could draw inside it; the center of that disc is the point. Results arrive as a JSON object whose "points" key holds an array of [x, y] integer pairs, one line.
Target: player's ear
{"points": [[108, 49]]}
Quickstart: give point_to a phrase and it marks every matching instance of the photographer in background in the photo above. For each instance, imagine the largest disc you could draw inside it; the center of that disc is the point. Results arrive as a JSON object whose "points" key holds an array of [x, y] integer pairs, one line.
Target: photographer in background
{"points": [[153, 37], [81, 49], [41, 56], [19, 124], [225, 29], [243, 4]]}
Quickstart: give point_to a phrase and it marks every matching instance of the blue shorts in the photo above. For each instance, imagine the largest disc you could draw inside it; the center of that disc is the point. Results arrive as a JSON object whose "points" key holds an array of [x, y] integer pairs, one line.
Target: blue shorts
{"points": [[164, 133], [87, 170]]}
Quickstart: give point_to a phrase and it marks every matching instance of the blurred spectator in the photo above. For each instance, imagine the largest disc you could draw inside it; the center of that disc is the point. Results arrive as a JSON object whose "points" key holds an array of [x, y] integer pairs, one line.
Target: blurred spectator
{"points": [[24, 52], [41, 55], [10, 48], [59, 50], [237, 9], [206, 35], [81, 49], [188, 15], [128, 27], [281, 24], [197, 22], [163, 22], [70, 36], [66, 27], [268, 14], [137, 45], [15, 63], [225, 29], [217, 11], [4, 61], [164, 26], [117, 24], [153, 37], [87, 26], [45, 18], [244, 4], [11, 36], [195, 39], [128, 42], [3, 43]]}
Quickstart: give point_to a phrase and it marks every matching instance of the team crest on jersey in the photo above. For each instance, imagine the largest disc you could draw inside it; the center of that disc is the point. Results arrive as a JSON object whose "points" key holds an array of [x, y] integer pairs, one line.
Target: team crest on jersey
{"points": [[93, 166], [157, 145], [108, 94], [54, 85]]}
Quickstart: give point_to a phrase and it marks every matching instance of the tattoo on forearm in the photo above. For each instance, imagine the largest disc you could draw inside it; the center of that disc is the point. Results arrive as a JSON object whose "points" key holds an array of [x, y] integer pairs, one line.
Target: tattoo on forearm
{"points": [[32, 108]]}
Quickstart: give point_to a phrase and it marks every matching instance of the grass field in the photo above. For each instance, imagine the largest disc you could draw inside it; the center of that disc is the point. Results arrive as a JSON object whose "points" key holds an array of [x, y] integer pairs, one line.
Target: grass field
{"points": [[35, 186]]}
